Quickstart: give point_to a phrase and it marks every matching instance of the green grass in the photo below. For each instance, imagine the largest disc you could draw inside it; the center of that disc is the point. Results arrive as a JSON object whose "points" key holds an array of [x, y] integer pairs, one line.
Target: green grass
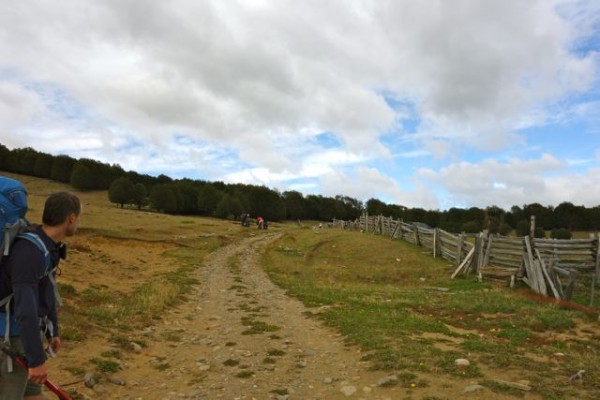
{"points": [[105, 365], [389, 309]]}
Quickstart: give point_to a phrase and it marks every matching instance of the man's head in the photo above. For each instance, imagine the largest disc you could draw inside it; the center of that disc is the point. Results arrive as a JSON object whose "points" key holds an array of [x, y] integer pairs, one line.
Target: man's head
{"points": [[62, 208]]}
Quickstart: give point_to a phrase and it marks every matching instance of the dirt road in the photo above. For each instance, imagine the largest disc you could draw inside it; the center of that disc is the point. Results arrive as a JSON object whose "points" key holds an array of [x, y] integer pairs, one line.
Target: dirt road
{"points": [[240, 337]]}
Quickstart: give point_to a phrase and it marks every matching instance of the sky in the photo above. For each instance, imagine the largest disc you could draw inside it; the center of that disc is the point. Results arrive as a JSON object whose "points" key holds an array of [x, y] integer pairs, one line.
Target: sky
{"points": [[421, 103]]}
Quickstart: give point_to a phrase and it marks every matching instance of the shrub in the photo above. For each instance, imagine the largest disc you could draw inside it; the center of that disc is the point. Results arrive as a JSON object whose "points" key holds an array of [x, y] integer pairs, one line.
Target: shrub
{"points": [[561, 233], [504, 229], [539, 233], [522, 228], [471, 227]]}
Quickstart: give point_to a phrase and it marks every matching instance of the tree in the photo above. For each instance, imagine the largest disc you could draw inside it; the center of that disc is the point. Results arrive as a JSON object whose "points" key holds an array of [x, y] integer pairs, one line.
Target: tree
{"points": [[43, 165], [294, 205], [139, 195], [208, 198], [471, 227], [187, 196], [377, 207], [494, 218], [163, 198], [62, 168], [4, 155], [265, 202], [229, 207], [81, 177], [121, 191], [522, 228]]}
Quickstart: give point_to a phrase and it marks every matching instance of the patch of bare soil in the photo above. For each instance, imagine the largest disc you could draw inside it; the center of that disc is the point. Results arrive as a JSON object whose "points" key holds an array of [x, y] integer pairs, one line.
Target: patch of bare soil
{"points": [[239, 336]]}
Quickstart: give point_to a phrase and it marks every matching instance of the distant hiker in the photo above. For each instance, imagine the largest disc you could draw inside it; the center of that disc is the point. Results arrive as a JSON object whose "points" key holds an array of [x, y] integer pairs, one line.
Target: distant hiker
{"points": [[245, 218], [29, 275], [260, 222]]}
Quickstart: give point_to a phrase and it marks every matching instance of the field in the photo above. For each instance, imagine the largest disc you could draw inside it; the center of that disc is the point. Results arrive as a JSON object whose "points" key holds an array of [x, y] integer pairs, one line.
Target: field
{"points": [[140, 300]]}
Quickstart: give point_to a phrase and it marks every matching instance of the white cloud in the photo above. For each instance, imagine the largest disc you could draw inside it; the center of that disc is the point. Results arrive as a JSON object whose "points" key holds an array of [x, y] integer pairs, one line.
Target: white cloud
{"points": [[366, 183], [252, 83], [18, 106], [515, 182]]}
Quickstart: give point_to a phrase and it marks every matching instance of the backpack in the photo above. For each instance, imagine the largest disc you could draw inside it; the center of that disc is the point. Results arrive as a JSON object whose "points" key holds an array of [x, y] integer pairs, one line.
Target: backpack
{"points": [[13, 207]]}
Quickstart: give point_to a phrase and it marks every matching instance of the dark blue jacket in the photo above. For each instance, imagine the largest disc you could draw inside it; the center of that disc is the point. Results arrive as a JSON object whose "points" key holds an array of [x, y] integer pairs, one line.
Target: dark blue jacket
{"points": [[33, 297]]}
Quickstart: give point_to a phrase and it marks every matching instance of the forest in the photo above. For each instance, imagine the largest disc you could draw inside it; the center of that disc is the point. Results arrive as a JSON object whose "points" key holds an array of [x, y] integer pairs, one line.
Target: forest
{"points": [[229, 200]]}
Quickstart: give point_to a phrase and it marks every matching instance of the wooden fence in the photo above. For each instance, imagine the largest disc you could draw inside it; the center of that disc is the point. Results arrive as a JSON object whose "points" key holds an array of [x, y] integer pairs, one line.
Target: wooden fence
{"points": [[540, 263]]}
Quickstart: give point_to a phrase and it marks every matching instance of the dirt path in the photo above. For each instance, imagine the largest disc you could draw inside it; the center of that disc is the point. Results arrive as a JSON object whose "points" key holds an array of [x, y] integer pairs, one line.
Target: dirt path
{"points": [[241, 337]]}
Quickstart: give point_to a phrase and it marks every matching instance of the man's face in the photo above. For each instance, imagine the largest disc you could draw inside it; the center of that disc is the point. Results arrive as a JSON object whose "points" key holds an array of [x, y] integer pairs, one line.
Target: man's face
{"points": [[73, 224]]}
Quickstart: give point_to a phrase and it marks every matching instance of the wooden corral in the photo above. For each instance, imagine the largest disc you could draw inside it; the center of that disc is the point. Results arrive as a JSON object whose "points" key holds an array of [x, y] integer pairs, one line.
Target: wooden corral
{"points": [[543, 264]]}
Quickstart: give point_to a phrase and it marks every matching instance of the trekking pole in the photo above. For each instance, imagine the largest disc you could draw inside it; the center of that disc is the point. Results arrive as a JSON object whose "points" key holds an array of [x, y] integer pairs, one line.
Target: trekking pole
{"points": [[61, 394]]}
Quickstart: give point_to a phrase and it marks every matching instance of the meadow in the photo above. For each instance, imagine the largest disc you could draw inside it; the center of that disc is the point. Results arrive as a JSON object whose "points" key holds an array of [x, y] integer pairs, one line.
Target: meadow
{"points": [[127, 268], [401, 307]]}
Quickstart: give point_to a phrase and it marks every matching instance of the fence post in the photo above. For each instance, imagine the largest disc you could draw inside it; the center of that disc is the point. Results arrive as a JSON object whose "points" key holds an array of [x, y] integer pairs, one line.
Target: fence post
{"points": [[597, 258], [435, 240], [461, 239], [417, 240], [532, 232]]}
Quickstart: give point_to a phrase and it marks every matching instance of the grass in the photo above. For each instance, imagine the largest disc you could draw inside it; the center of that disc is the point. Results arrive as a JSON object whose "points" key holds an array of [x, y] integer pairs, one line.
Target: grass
{"points": [[389, 309], [383, 305], [106, 365]]}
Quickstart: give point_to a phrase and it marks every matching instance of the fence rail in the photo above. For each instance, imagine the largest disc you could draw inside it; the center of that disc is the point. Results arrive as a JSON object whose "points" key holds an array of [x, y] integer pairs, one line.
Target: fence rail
{"points": [[537, 262]]}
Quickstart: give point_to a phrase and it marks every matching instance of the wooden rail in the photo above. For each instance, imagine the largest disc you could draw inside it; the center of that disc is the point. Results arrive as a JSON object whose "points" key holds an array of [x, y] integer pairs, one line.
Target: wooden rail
{"points": [[538, 262]]}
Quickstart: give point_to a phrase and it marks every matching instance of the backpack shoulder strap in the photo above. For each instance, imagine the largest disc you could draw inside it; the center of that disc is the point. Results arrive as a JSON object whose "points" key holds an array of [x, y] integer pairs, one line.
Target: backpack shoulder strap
{"points": [[35, 239], [48, 270]]}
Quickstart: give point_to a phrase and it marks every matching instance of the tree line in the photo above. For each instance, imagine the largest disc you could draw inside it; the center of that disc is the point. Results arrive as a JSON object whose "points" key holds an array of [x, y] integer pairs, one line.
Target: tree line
{"points": [[218, 199]]}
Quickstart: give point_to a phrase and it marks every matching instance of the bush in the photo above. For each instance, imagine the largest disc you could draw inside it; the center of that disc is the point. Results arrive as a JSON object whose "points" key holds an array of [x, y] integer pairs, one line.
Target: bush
{"points": [[472, 227], [504, 229], [522, 228], [561, 233], [539, 233]]}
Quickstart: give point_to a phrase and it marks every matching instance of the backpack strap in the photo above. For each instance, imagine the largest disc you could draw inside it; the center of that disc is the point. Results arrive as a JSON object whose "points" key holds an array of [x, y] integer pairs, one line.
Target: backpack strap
{"points": [[48, 271]]}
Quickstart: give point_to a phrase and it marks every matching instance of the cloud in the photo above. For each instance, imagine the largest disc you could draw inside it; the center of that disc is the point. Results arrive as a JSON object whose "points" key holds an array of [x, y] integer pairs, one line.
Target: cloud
{"points": [[366, 183], [514, 182], [18, 106], [252, 85]]}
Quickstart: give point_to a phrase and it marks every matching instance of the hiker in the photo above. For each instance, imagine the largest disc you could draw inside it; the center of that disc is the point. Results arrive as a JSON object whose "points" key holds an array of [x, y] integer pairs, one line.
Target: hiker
{"points": [[245, 219], [34, 299], [260, 221]]}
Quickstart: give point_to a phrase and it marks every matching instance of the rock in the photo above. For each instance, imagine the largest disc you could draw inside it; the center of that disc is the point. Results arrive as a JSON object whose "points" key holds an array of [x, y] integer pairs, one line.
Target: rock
{"points": [[328, 380], [515, 385], [115, 380], [386, 381], [203, 367], [348, 390], [100, 389], [473, 388], [136, 347], [147, 331], [367, 390], [462, 362], [90, 379]]}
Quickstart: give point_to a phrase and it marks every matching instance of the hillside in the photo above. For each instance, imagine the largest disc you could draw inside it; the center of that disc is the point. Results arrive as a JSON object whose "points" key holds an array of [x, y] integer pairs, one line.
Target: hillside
{"points": [[169, 307]]}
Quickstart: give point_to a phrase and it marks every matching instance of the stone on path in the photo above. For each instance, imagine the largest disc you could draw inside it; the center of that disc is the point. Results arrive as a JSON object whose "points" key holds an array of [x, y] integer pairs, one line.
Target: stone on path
{"points": [[348, 390]]}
